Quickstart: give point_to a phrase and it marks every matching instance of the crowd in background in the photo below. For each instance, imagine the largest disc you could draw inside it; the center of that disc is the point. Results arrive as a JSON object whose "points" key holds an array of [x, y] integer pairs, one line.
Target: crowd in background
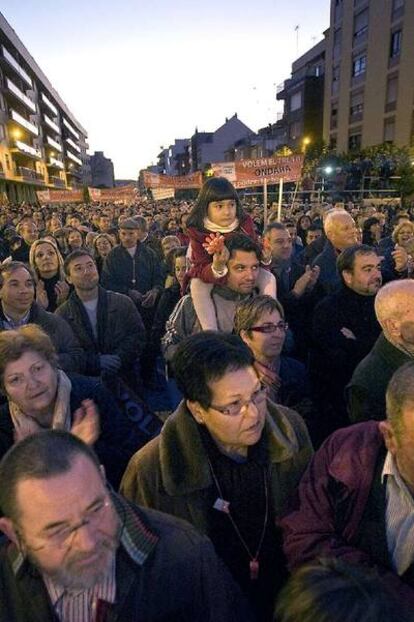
{"points": [[306, 328]]}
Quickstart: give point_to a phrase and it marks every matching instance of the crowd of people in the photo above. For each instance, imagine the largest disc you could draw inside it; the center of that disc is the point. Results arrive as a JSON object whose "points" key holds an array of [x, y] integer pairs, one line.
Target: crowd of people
{"points": [[205, 415]]}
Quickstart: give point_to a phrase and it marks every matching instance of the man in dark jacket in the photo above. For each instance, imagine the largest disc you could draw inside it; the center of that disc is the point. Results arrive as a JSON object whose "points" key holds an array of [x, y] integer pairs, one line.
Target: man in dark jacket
{"points": [[107, 324], [75, 546], [344, 330], [17, 308], [355, 500], [132, 268], [295, 285], [394, 308]]}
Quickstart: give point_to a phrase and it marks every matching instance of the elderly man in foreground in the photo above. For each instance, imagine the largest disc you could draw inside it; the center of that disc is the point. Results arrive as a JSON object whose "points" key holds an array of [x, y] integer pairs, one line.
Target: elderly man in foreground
{"points": [[80, 552]]}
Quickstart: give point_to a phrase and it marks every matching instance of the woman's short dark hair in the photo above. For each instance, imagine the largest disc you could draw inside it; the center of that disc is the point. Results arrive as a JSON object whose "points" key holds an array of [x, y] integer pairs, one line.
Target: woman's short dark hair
{"points": [[332, 590], [29, 338], [204, 358], [181, 251], [214, 189]]}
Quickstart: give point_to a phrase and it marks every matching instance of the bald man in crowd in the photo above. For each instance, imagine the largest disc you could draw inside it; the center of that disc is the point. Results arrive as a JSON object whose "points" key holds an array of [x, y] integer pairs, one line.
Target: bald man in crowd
{"points": [[394, 308], [341, 233]]}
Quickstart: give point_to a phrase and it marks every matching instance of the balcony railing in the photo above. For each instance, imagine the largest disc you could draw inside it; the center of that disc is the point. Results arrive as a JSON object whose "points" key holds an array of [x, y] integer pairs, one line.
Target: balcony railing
{"points": [[29, 173], [13, 62], [57, 181], [54, 144], [70, 128], [48, 103], [51, 124], [15, 89], [73, 144], [73, 157], [55, 162], [24, 122], [28, 149]]}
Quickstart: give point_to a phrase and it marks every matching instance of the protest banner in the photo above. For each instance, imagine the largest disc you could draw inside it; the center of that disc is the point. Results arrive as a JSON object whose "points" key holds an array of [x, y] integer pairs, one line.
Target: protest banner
{"points": [[178, 182], [248, 173], [121, 194], [158, 194], [60, 196]]}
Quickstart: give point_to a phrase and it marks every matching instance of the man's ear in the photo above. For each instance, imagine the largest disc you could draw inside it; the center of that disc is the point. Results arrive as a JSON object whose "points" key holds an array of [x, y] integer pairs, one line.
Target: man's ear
{"points": [[388, 436], [6, 526], [392, 327], [347, 276], [196, 410]]}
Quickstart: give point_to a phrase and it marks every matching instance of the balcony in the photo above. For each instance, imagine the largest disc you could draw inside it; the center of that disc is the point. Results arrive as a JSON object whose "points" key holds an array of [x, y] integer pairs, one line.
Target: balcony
{"points": [[71, 129], [51, 124], [20, 95], [2, 173], [31, 127], [73, 144], [57, 182], [55, 163], [27, 150], [72, 157], [49, 104], [54, 144], [28, 174], [13, 62]]}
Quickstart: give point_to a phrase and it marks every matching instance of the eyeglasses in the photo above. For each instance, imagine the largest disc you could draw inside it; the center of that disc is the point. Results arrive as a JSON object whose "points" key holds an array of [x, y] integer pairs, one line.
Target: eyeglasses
{"points": [[64, 536], [234, 409], [271, 328]]}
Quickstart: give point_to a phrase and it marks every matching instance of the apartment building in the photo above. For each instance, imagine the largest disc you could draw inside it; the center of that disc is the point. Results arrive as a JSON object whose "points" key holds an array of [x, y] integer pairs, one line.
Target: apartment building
{"points": [[303, 96], [369, 76], [42, 145]]}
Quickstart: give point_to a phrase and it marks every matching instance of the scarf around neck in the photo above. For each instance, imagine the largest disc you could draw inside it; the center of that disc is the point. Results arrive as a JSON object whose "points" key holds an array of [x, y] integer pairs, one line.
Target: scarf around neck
{"points": [[211, 226], [25, 425]]}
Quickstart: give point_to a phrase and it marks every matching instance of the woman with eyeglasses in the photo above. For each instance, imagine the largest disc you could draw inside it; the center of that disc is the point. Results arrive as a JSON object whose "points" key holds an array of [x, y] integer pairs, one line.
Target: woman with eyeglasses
{"points": [[227, 460], [260, 323], [41, 396]]}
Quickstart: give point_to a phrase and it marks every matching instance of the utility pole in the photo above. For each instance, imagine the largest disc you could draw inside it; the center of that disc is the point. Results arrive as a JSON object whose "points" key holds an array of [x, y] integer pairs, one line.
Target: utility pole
{"points": [[297, 38]]}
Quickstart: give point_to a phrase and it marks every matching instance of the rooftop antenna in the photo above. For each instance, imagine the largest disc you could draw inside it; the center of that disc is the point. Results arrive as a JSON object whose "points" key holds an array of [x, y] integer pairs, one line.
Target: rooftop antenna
{"points": [[297, 38]]}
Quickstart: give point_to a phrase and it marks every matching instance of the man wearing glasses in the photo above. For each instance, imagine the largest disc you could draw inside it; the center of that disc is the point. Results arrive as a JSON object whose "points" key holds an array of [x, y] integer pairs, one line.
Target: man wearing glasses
{"points": [[260, 322], [80, 553], [227, 460]]}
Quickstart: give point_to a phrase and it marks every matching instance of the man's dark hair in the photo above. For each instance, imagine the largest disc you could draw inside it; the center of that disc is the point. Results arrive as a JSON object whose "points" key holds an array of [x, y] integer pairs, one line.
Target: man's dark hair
{"points": [[346, 259], [274, 226], [207, 357], [40, 456], [12, 266], [242, 242], [315, 226], [78, 252]]}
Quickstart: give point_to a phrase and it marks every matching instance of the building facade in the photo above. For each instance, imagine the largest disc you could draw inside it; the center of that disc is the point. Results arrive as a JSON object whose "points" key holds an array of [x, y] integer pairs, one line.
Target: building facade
{"points": [[42, 145], [369, 77], [102, 171], [303, 97]]}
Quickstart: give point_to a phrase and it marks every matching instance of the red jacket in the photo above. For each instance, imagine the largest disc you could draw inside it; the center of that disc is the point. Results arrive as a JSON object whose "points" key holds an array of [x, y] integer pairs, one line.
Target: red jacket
{"points": [[340, 473], [201, 261]]}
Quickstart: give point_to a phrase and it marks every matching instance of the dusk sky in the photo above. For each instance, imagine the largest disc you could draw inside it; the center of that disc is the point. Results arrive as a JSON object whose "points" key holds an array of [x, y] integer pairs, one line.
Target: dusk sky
{"points": [[138, 74]]}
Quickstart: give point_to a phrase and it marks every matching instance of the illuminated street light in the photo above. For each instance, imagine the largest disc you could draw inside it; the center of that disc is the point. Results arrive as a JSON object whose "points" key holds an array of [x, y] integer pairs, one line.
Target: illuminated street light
{"points": [[328, 170]]}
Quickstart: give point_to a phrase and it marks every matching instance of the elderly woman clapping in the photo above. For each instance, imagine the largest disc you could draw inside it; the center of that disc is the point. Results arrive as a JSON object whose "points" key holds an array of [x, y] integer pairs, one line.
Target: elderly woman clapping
{"points": [[39, 396]]}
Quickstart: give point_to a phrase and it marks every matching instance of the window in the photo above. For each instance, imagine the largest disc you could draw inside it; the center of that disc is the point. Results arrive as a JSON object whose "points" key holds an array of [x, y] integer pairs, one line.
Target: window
{"points": [[335, 79], [389, 130], [354, 142], [318, 71], [392, 89], [397, 4], [333, 142], [337, 43], [361, 24], [339, 9], [359, 65], [334, 116], [296, 102], [357, 104], [295, 130], [395, 46]]}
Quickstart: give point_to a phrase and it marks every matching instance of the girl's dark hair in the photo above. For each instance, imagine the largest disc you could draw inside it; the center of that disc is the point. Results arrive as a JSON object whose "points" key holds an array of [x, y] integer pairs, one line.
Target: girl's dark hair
{"points": [[214, 189]]}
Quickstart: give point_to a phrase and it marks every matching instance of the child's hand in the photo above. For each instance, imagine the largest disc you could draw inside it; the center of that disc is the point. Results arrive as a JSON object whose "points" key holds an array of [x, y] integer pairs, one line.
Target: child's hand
{"points": [[214, 243]]}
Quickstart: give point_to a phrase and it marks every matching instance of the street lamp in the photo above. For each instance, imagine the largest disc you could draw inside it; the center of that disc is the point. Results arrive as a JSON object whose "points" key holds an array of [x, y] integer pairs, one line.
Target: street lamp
{"points": [[305, 142], [328, 170]]}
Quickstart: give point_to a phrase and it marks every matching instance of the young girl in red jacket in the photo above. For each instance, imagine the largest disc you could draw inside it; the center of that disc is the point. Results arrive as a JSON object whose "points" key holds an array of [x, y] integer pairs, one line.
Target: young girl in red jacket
{"points": [[216, 215]]}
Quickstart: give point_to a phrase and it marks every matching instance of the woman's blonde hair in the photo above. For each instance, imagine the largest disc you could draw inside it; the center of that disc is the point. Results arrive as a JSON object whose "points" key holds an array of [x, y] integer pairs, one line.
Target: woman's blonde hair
{"points": [[397, 229], [32, 260]]}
